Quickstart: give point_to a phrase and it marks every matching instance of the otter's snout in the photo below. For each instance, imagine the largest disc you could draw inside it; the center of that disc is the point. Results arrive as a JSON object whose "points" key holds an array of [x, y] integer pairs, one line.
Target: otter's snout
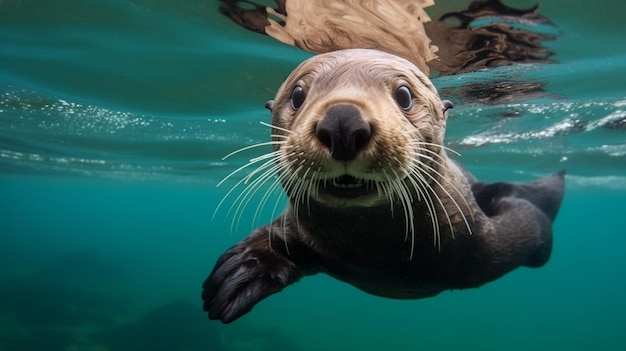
{"points": [[343, 131]]}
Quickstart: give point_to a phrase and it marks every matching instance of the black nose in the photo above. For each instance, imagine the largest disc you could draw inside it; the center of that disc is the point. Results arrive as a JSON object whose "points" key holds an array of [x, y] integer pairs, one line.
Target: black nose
{"points": [[343, 131]]}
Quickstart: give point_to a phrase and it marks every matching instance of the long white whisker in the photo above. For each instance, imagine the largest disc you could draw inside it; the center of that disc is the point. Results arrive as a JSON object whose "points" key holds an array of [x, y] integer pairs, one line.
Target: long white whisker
{"points": [[406, 200], [267, 170], [420, 153], [307, 194], [420, 143], [386, 185], [273, 142], [271, 190], [420, 185], [244, 180], [279, 136], [445, 211], [250, 163], [469, 208], [277, 127], [249, 191], [297, 191], [434, 179], [404, 197], [279, 200], [265, 197]]}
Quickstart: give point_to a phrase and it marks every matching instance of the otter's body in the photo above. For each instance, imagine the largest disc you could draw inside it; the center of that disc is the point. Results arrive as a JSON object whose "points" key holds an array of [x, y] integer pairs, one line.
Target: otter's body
{"points": [[374, 199]]}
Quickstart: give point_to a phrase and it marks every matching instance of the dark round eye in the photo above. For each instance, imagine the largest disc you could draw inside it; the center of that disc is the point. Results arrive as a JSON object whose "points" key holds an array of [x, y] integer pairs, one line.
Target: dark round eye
{"points": [[297, 97], [404, 97]]}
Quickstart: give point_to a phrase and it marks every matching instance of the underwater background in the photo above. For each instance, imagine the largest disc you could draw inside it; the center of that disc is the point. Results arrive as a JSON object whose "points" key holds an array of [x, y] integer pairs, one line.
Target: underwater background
{"points": [[114, 119]]}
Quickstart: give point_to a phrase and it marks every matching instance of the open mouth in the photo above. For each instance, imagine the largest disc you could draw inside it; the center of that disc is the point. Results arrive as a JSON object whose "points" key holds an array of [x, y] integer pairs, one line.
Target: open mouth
{"points": [[346, 186], [347, 182]]}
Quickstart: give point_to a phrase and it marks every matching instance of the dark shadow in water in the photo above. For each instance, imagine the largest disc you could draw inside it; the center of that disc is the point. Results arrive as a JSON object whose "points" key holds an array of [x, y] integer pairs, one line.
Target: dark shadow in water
{"points": [[37, 339], [494, 92], [618, 123], [44, 303], [488, 34], [175, 326], [71, 291], [265, 339], [181, 325], [50, 306], [54, 309]]}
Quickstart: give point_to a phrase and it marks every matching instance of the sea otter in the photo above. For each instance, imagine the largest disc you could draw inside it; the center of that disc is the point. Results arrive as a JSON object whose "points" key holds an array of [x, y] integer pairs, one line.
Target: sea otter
{"points": [[374, 199]]}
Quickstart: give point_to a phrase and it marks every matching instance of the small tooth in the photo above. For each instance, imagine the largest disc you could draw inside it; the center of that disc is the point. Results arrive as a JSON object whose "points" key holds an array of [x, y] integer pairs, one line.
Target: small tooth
{"points": [[358, 184]]}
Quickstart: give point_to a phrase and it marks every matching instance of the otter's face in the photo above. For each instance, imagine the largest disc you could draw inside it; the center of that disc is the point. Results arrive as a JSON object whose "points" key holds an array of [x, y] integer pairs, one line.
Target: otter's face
{"points": [[357, 128]]}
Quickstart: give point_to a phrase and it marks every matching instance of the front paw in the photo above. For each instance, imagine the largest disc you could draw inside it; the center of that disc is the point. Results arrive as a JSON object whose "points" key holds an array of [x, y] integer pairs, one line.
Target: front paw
{"points": [[244, 275]]}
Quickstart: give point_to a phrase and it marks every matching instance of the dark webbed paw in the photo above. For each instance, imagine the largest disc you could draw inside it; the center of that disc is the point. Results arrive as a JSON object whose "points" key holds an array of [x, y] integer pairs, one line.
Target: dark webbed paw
{"points": [[243, 276]]}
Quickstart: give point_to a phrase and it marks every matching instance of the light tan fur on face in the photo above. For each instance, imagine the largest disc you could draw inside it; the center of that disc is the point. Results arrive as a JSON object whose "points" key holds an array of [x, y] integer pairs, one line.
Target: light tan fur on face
{"points": [[368, 80]]}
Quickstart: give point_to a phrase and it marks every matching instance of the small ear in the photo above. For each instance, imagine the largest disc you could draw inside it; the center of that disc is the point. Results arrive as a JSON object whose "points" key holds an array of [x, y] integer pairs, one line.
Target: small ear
{"points": [[269, 104], [447, 104]]}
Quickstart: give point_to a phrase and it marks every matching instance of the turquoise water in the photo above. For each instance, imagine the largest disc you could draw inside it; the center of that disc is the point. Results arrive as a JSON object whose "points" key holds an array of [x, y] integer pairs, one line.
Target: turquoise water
{"points": [[115, 116]]}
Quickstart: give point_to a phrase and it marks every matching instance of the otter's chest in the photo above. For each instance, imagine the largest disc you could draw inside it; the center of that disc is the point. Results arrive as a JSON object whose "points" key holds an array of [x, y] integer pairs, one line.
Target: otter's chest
{"points": [[383, 237]]}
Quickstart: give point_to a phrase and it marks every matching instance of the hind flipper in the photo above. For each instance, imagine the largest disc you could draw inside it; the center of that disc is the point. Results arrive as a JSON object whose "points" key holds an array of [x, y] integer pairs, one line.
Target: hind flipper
{"points": [[522, 216]]}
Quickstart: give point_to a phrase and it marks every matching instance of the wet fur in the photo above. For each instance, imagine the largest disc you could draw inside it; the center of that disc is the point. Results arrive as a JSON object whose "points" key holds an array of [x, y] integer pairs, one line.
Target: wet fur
{"points": [[426, 226], [483, 35]]}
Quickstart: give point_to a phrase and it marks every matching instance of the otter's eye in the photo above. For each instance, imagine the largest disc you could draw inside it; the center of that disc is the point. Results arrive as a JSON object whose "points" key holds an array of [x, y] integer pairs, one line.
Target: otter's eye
{"points": [[404, 97], [297, 97]]}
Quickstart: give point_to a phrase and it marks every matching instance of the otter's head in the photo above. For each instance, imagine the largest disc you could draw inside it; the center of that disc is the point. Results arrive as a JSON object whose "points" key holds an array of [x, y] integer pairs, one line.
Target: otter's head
{"points": [[357, 128]]}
